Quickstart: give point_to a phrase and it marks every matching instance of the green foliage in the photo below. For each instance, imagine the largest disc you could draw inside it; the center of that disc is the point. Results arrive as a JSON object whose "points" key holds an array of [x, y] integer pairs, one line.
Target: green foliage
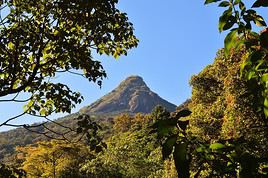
{"points": [[53, 159], [74, 127], [238, 19], [216, 146], [42, 38], [182, 159], [131, 151], [226, 133], [90, 128], [11, 172], [129, 154], [226, 121], [260, 3], [122, 123], [171, 133]]}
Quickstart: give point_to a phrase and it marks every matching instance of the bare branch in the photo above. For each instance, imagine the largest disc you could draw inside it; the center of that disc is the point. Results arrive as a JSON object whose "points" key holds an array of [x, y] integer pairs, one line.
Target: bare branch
{"points": [[3, 7], [15, 100], [25, 125], [55, 132], [61, 125], [69, 129], [11, 119], [75, 73], [42, 133]]}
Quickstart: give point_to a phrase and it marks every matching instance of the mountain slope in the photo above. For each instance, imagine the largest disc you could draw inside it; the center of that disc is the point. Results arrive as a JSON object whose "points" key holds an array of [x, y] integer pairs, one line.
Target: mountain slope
{"points": [[131, 96]]}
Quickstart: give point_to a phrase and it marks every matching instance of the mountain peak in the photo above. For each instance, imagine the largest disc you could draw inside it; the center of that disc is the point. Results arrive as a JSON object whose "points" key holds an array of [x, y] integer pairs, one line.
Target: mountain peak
{"points": [[133, 82], [134, 79], [131, 96]]}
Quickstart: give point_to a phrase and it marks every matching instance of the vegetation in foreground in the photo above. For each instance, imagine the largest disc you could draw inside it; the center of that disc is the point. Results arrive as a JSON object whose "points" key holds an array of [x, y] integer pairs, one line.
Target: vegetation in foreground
{"points": [[224, 135]]}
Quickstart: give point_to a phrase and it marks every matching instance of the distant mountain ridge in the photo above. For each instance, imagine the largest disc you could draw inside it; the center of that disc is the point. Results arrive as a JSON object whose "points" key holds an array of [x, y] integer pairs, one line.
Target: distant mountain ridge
{"points": [[131, 96]]}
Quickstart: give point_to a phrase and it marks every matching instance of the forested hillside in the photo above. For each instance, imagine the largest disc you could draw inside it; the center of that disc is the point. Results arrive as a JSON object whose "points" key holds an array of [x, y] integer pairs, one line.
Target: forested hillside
{"points": [[220, 131], [21, 137], [224, 124], [130, 151], [132, 96], [225, 110]]}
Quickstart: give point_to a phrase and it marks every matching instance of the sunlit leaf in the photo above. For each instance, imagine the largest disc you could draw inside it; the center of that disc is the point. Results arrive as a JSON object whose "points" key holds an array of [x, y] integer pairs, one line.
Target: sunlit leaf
{"points": [[236, 2], [224, 4], [201, 149], [265, 103], [251, 74], [217, 146], [242, 6], [211, 1], [259, 21], [265, 110], [11, 45], [230, 41], [264, 77], [43, 112], [226, 20]]}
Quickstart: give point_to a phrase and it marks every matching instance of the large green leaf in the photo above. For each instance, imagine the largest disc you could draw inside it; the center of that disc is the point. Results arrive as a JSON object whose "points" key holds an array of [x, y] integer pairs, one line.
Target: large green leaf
{"points": [[242, 6], [164, 127], [217, 146], [182, 160], [226, 21], [237, 2], [224, 4], [167, 147], [230, 41], [264, 78], [265, 110], [183, 113], [183, 124], [259, 21], [260, 3]]}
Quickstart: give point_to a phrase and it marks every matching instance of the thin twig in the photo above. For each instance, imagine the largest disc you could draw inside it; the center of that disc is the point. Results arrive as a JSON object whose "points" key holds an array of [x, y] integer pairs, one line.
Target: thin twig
{"points": [[12, 118]]}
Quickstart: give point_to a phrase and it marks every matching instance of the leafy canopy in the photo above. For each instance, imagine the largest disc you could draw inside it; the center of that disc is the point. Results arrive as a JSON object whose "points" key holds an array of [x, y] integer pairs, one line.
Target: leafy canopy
{"points": [[239, 19], [53, 159], [39, 39]]}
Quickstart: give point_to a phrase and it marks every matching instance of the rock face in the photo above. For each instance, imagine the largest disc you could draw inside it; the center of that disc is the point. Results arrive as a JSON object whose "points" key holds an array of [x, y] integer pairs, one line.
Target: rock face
{"points": [[131, 96]]}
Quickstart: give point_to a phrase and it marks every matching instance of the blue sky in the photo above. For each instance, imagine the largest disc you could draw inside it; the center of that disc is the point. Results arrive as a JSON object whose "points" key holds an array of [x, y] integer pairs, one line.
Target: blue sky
{"points": [[178, 38]]}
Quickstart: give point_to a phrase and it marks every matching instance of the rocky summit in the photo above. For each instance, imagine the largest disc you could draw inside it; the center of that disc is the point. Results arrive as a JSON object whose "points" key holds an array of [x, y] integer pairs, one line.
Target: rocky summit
{"points": [[131, 96]]}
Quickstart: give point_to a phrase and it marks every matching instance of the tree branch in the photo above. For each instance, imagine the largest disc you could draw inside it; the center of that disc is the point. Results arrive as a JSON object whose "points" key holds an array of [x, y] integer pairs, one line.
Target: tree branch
{"points": [[15, 100], [12, 118], [33, 73]]}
